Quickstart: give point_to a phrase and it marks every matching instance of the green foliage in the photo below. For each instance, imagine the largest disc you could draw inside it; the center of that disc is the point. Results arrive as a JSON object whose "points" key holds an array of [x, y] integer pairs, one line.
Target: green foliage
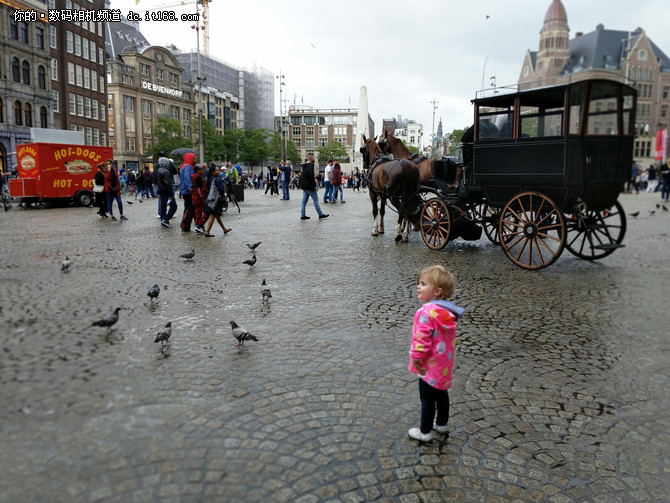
{"points": [[274, 150], [456, 135], [411, 148], [334, 150], [168, 136]]}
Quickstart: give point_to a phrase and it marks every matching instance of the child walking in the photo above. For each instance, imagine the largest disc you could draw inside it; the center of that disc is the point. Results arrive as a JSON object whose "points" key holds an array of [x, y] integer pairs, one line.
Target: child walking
{"points": [[432, 349]]}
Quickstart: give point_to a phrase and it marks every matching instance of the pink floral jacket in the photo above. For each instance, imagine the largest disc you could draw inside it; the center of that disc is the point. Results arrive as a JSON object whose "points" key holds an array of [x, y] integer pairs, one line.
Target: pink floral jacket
{"points": [[433, 337]]}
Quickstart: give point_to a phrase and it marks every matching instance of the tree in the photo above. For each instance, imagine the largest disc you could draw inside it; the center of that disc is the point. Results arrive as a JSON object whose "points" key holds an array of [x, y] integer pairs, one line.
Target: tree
{"points": [[274, 150], [411, 148], [334, 150], [456, 136], [255, 148], [168, 136]]}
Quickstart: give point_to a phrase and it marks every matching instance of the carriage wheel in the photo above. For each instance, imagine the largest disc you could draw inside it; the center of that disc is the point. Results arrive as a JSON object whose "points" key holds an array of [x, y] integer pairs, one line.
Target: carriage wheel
{"points": [[435, 223], [532, 230], [490, 217], [595, 234]]}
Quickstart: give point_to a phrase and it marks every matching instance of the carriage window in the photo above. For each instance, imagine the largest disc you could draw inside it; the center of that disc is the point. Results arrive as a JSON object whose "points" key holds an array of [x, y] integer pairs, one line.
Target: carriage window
{"points": [[628, 112], [538, 122], [495, 122], [602, 111], [577, 94]]}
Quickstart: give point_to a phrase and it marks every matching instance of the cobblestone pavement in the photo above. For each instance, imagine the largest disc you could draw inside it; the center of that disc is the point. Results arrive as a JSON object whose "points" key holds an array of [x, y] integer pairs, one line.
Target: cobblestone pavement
{"points": [[561, 378]]}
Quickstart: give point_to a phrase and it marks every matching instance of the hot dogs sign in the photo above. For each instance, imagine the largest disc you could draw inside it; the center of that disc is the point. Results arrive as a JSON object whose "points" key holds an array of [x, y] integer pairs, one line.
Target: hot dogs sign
{"points": [[77, 160]]}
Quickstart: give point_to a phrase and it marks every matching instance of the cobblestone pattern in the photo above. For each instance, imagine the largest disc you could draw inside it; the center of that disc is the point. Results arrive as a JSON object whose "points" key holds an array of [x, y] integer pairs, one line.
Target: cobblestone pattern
{"points": [[561, 376]]}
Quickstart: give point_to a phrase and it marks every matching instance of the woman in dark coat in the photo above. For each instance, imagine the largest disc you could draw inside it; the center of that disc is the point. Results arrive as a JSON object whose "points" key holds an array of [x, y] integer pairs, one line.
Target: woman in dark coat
{"points": [[100, 197], [214, 209]]}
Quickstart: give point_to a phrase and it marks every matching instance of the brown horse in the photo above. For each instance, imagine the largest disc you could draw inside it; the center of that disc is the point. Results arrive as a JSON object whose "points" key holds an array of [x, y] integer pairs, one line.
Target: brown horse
{"points": [[389, 144], [396, 180]]}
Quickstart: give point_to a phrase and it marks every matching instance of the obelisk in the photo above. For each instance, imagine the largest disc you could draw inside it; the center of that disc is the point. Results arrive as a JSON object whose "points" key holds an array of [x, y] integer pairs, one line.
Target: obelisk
{"points": [[362, 127]]}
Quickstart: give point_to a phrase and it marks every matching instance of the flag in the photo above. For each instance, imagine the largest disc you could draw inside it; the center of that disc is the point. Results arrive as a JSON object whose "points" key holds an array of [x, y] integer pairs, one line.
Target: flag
{"points": [[661, 144]]}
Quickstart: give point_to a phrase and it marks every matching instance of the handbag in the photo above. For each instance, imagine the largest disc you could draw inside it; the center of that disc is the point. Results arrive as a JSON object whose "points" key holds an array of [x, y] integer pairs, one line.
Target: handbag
{"points": [[114, 189], [213, 196], [98, 188]]}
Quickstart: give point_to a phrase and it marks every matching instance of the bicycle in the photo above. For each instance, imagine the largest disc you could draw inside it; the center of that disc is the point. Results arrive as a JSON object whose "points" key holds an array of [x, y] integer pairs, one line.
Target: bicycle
{"points": [[230, 196]]}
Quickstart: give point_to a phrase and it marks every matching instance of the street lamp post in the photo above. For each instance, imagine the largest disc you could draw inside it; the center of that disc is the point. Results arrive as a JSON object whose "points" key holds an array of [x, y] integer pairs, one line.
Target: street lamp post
{"points": [[199, 78], [281, 117], [432, 134]]}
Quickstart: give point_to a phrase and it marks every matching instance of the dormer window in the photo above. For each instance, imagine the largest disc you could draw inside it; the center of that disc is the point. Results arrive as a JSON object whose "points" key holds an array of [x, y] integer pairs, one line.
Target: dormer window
{"points": [[642, 55]]}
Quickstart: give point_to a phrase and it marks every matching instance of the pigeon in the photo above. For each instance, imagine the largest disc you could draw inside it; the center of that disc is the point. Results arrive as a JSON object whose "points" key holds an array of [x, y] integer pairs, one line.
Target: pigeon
{"points": [[658, 205], [265, 292], [253, 246], [129, 202], [140, 201], [153, 292], [665, 208], [164, 334], [635, 214], [188, 255], [651, 212], [251, 261], [108, 321], [65, 266], [241, 334]]}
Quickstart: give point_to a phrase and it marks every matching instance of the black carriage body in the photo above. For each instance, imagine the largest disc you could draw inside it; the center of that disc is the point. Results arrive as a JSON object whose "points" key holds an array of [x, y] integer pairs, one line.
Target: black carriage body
{"points": [[572, 142]]}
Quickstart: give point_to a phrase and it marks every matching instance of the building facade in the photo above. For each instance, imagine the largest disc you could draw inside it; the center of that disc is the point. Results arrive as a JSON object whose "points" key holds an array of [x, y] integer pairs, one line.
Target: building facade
{"points": [[410, 131], [625, 56], [25, 89], [144, 83], [78, 73], [309, 128]]}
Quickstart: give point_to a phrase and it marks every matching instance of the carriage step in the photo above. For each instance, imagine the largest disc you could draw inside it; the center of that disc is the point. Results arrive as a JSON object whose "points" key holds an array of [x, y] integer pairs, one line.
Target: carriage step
{"points": [[608, 246]]}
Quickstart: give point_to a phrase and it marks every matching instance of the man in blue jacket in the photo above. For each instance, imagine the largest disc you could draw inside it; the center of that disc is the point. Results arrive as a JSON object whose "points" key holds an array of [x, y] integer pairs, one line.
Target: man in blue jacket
{"points": [[185, 186]]}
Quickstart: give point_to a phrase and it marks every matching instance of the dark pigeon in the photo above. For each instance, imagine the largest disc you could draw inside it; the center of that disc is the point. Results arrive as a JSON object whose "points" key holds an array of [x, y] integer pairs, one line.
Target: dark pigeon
{"points": [[153, 292], [253, 246], [65, 266], [251, 261], [164, 334], [188, 255], [108, 321], [265, 292]]}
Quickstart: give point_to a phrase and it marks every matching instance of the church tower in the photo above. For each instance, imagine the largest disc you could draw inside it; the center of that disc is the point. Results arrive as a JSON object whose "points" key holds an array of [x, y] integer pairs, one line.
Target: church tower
{"points": [[554, 42]]}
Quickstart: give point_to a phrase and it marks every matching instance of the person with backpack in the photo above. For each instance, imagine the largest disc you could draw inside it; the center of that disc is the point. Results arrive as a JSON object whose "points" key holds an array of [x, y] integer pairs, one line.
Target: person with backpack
{"points": [[164, 181]]}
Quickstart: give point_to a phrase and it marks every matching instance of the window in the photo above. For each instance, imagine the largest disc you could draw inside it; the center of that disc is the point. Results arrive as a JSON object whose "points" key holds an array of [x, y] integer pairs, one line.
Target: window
{"points": [[80, 106], [84, 48], [18, 117], [25, 71], [69, 41], [160, 73], [129, 103], [174, 111], [297, 142], [39, 38], [16, 70], [28, 112], [78, 73], [54, 69], [52, 37], [70, 73], [94, 109], [102, 115], [96, 136], [340, 119], [296, 120], [41, 77], [145, 69], [642, 55], [296, 131], [87, 107], [146, 107], [602, 111], [323, 142], [2, 111], [340, 130], [323, 131], [92, 51], [43, 117], [102, 84], [56, 100], [173, 78], [309, 120], [89, 135], [309, 142], [309, 131], [23, 31], [13, 28], [77, 45], [73, 104], [94, 80], [128, 80], [130, 144]]}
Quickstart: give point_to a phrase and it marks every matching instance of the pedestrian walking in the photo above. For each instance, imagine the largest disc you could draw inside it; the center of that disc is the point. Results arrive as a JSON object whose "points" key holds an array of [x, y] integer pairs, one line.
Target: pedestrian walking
{"points": [[308, 186], [665, 181], [432, 349], [285, 180], [215, 199], [185, 186], [327, 187], [112, 191], [100, 196], [336, 182], [164, 181]]}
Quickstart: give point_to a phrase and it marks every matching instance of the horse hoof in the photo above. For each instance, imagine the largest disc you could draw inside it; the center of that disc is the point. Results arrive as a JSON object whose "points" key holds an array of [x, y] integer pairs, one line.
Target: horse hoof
{"points": [[375, 234], [398, 239]]}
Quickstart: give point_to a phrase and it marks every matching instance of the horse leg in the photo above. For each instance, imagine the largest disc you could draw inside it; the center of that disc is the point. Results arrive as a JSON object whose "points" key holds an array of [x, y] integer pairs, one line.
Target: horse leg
{"points": [[405, 235], [382, 210], [399, 228]]}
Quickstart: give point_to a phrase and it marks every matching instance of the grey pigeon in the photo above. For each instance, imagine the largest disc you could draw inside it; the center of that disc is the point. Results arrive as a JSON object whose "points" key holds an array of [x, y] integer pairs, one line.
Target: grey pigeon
{"points": [[651, 212], [164, 334], [241, 334], [153, 292], [129, 202], [108, 321], [188, 255], [635, 214], [665, 208], [65, 266], [251, 261], [265, 292], [253, 246]]}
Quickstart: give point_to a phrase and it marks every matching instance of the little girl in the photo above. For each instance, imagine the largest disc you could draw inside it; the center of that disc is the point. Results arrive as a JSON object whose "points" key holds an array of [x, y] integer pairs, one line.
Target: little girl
{"points": [[432, 349]]}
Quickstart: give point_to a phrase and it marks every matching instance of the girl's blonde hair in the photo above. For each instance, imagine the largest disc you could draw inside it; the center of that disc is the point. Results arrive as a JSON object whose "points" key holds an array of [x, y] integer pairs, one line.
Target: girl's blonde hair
{"points": [[439, 277]]}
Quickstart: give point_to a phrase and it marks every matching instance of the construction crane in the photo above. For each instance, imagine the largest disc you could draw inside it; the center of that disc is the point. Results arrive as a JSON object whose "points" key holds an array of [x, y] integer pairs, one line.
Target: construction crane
{"points": [[205, 16]]}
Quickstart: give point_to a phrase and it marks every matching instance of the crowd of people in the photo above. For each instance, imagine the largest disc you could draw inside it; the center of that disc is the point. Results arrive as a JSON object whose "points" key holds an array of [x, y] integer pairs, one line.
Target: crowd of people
{"points": [[652, 179]]}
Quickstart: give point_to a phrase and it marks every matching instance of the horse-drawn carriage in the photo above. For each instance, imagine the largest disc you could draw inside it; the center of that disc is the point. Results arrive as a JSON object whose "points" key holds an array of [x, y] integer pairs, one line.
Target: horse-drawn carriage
{"points": [[541, 171]]}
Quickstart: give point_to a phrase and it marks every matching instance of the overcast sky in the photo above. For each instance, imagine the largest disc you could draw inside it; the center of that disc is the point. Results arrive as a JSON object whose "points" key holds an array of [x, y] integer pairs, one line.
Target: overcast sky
{"points": [[405, 53]]}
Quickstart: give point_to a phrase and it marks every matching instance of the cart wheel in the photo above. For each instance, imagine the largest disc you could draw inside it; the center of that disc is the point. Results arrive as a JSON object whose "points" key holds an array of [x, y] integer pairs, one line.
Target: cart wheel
{"points": [[435, 223], [84, 198], [490, 217], [532, 230], [595, 234]]}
